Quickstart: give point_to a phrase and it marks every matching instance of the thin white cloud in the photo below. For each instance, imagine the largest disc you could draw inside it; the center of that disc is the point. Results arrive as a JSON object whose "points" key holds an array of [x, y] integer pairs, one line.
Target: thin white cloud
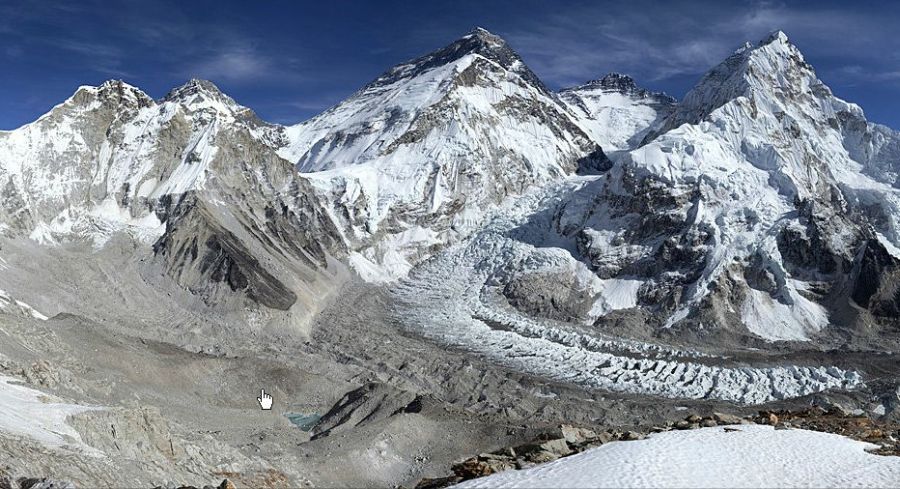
{"points": [[235, 64], [241, 63], [658, 41]]}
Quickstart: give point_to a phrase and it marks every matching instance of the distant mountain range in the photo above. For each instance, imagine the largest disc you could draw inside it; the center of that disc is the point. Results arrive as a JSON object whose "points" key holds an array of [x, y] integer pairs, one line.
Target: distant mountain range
{"points": [[760, 208]]}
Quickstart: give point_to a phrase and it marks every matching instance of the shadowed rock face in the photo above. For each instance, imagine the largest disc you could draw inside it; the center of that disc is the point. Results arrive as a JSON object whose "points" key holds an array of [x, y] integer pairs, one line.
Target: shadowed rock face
{"points": [[252, 228], [365, 405], [876, 280], [201, 254]]}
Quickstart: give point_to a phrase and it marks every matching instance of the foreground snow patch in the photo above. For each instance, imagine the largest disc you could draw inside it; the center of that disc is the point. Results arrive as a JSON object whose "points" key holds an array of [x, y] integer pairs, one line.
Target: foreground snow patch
{"points": [[30, 413], [755, 456]]}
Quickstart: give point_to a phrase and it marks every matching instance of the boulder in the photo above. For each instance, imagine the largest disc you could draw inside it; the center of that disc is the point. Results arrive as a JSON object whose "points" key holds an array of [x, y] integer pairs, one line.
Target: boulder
{"points": [[632, 436], [33, 483], [723, 418], [576, 436], [480, 467], [544, 451], [438, 483], [365, 405]]}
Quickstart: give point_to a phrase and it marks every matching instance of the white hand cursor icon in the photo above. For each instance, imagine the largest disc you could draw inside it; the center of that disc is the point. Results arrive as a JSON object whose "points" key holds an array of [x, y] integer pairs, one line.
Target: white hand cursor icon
{"points": [[265, 400]]}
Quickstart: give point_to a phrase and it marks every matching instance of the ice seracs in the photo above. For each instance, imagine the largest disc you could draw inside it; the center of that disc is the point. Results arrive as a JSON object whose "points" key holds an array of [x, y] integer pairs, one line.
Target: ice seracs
{"points": [[736, 211]]}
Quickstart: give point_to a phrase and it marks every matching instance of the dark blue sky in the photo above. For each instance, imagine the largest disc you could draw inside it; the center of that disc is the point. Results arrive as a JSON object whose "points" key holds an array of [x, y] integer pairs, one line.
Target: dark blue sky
{"points": [[289, 60]]}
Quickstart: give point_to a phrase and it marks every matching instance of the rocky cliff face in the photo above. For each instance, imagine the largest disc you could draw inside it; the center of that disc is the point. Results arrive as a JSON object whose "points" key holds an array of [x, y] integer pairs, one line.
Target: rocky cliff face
{"points": [[194, 174]]}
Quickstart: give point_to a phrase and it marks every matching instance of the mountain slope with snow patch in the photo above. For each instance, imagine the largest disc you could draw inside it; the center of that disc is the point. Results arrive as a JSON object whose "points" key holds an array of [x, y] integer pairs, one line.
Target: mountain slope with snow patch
{"points": [[616, 112], [410, 161]]}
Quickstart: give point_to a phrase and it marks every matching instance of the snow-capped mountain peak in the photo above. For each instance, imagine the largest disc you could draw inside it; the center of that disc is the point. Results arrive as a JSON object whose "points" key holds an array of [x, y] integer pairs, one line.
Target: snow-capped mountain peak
{"points": [[112, 91], [616, 82], [423, 149], [204, 96], [480, 42], [772, 69], [194, 87]]}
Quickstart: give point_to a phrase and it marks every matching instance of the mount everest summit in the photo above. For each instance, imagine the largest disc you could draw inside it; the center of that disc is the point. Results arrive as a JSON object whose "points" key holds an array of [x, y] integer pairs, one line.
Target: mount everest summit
{"points": [[739, 245]]}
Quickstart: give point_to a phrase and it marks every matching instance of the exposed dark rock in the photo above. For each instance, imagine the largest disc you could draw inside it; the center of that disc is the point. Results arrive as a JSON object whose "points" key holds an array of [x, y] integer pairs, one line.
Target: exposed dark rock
{"points": [[876, 280], [725, 419], [44, 483], [479, 41], [367, 404], [594, 162], [198, 251]]}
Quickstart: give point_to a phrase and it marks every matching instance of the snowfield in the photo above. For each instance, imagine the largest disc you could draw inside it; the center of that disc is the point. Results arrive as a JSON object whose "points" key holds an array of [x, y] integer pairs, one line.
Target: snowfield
{"points": [[755, 456], [31, 413]]}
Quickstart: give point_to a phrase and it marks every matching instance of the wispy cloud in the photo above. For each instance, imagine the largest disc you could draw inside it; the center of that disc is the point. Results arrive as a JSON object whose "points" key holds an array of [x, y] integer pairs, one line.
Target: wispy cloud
{"points": [[856, 75], [234, 64], [657, 41]]}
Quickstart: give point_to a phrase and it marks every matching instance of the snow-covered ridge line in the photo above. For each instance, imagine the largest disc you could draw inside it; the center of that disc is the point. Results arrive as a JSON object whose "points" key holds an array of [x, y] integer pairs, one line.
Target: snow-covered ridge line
{"points": [[108, 158]]}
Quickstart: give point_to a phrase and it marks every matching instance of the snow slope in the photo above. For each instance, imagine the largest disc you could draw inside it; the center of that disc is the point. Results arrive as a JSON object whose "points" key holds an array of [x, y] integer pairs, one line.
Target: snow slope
{"points": [[615, 112], [411, 160], [11, 305], [755, 456], [33, 414]]}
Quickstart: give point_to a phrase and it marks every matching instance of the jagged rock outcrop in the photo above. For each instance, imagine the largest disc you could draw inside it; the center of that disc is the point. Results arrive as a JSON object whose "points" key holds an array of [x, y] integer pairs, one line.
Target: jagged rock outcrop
{"points": [[368, 404]]}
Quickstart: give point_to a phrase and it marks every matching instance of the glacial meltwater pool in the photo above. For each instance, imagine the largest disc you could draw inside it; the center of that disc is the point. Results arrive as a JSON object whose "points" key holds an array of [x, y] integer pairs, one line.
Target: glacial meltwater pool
{"points": [[304, 421]]}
